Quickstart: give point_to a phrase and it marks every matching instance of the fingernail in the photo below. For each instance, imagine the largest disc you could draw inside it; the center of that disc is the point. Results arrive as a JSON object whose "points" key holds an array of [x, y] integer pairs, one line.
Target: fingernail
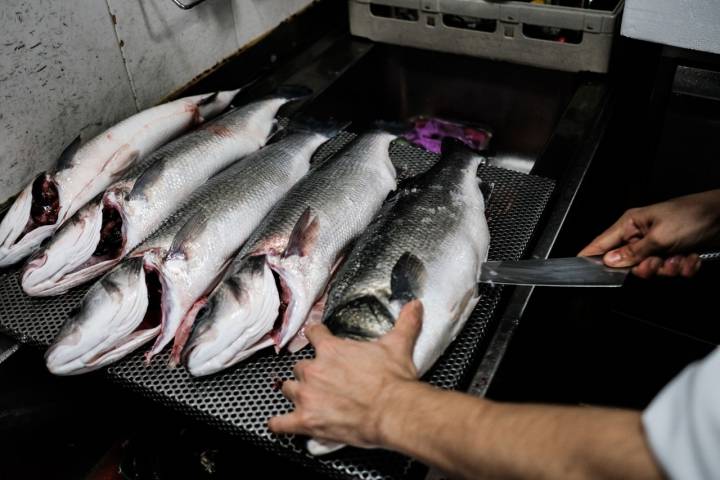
{"points": [[674, 260], [613, 257]]}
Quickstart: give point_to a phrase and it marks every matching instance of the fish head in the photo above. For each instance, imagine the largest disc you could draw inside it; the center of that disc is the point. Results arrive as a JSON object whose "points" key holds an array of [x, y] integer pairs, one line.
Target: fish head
{"points": [[363, 318], [239, 313], [32, 218], [109, 323]]}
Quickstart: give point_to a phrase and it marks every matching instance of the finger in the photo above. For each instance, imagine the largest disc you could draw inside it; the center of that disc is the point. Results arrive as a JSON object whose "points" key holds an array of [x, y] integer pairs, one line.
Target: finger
{"points": [[648, 267], [690, 265], [288, 423], [299, 369], [407, 327], [622, 230], [672, 266], [289, 389], [318, 334], [631, 254]]}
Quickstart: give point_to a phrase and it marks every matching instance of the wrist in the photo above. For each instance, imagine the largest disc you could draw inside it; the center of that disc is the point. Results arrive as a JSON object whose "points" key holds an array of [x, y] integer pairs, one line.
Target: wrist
{"points": [[393, 409]]}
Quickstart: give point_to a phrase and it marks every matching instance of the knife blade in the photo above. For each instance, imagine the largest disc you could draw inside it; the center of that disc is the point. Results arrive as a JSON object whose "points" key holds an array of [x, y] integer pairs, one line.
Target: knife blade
{"points": [[554, 272], [561, 272]]}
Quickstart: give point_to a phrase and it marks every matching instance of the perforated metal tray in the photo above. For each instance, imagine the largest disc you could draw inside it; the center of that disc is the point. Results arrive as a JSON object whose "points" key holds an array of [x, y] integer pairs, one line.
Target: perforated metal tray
{"points": [[240, 400]]}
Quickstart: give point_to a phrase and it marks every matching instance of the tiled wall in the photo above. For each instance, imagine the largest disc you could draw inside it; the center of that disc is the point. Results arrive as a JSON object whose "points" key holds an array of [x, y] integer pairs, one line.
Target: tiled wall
{"points": [[69, 67]]}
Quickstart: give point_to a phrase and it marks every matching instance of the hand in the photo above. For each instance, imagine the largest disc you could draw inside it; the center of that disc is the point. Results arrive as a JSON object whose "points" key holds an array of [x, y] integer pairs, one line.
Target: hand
{"points": [[340, 395], [644, 237]]}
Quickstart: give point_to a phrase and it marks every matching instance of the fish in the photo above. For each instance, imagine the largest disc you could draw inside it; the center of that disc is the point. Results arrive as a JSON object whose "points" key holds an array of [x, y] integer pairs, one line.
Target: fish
{"points": [[84, 170], [299, 245], [126, 309], [119, 313], [204, 247], [428, 243], [103, 232]]}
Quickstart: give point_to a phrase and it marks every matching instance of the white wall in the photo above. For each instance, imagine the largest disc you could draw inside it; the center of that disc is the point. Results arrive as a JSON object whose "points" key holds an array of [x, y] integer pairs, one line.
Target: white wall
{"points": [[78, 66]]}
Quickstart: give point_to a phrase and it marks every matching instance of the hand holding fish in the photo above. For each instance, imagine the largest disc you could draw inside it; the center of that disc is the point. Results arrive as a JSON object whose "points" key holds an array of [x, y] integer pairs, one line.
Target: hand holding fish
{"points": [[342, 394], [661, 239]]}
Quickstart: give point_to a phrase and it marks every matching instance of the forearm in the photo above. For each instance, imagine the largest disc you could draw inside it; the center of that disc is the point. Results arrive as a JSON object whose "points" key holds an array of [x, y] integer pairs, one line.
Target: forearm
{"points": [[469, 437]]}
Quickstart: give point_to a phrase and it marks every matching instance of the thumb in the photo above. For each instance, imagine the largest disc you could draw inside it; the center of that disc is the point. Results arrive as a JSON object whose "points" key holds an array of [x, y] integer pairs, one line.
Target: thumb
{"points": [[632, 253], [407, 327]]}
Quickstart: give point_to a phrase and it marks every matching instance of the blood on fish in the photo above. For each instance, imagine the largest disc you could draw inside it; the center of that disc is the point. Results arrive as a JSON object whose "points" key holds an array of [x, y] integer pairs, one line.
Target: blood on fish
{"points": [[111, 238], [284, 294], [45, 206], [153, 314], [219, 130]]}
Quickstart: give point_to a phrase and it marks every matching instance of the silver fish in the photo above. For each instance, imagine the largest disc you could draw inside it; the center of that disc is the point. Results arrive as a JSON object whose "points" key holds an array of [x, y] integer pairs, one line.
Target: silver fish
{"points": [[127, 307], [207, 243], [85, 170], [107, 229], [429, 243], [119, 312], [300, 241]]}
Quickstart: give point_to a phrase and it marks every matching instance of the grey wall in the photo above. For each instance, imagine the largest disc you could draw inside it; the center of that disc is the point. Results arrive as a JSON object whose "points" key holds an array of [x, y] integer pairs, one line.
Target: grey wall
{"points": [[78, 66]]}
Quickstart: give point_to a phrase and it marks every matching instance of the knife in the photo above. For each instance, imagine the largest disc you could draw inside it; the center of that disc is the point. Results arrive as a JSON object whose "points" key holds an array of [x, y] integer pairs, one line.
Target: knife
{"points": [[559, 272]]}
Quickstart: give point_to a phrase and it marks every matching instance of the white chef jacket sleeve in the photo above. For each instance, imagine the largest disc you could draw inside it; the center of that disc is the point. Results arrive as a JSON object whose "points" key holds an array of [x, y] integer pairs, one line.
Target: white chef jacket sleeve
{"points": [[682, 424]]}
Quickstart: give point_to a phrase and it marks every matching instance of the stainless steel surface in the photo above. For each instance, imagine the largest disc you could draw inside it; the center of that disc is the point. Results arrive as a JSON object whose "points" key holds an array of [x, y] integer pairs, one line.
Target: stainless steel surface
{"points": [[697, 82], [554, 272], [7, 347]]}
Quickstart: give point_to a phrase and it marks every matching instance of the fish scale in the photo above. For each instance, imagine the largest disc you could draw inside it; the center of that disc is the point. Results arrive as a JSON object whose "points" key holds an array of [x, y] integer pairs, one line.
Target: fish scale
{"points": [[331, 190], [439, 219], [226, 209], [147, 196], [428, 242], [217, 230], [85, 170], [342, 194]]}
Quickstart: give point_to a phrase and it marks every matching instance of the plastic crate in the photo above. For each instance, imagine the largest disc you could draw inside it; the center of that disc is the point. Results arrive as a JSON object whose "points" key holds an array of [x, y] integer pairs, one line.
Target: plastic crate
{"points": [[550, 36]]}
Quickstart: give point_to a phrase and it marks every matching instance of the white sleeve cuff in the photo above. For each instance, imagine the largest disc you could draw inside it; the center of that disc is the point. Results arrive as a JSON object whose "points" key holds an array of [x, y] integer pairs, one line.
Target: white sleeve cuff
{"points": [[682, 423]]}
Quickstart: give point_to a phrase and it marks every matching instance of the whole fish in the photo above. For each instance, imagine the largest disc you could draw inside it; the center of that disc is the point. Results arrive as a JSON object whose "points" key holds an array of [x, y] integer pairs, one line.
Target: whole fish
{"points": [[85, 170], [126, 308], [429, 243], [107, 229], [300, 240], [203, 248]]}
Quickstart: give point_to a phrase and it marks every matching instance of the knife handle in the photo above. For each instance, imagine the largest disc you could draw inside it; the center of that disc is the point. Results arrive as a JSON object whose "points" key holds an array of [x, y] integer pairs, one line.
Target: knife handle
{"points": [[710, 256]]}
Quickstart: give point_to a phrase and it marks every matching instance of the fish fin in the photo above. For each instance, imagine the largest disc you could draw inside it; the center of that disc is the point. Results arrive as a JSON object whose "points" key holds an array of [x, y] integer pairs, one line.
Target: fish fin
{"points": [[275, 130], [486, 189], [304, 235], [327, 128], [65, 159], [208, 99], [184, 330], [408, 278], [123, 158], [148, 177], [192, 228], [293, 92]]}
